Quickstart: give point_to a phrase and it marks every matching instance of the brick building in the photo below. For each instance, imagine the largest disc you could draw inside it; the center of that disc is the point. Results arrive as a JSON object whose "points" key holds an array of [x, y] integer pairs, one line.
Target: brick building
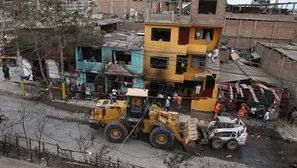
{"points": [[280, 61], [120, 7], [273, 23]]}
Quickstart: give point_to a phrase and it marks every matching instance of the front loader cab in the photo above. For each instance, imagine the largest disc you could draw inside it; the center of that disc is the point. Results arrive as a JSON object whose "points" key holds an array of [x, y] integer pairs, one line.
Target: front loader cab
{"points": [[137, 103]]}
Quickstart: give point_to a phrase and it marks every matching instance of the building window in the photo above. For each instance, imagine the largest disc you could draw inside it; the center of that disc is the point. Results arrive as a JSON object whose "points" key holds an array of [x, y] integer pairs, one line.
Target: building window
{"points": [[159, 62], [198, 61], [207, 7], [159, 34], [121, 57], [204, 34], [90, 77], [90, 54]]}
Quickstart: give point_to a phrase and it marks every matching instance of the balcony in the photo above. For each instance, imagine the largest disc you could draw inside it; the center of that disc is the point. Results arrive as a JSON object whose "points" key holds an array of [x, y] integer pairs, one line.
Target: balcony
{"points": [[89, 66]]}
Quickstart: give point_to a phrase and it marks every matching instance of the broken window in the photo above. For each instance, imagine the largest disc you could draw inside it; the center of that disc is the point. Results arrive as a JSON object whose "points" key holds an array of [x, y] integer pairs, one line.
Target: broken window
{"points": [[161, 34], [198, 61], [90, 77], [159, 62], [91, 54], [207, 7], [121, 57], [204, 34]]}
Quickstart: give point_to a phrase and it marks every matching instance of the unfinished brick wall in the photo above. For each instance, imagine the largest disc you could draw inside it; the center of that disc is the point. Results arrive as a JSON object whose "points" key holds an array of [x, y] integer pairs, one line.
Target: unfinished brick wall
{"points": [[280, 67], [119, 6], [245, 33], [208, 19]]}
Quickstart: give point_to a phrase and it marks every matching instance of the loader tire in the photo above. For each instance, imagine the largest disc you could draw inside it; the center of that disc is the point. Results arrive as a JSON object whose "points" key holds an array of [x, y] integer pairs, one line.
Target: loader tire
{"points": [[217, 143], [116, 132], [161, 138], [232, 144]]}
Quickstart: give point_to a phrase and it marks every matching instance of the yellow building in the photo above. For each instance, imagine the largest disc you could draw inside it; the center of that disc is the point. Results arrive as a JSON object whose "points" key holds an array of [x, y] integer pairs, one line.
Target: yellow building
{"points": [[175, 53]]}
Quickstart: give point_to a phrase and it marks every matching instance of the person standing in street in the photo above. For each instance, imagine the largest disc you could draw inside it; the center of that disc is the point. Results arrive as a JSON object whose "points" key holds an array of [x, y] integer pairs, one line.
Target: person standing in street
{"points": [[179, 102], [83, 91], [290, 114], [5, 71], [241, 113], [217, 110], [167, 104], [265, 119]]}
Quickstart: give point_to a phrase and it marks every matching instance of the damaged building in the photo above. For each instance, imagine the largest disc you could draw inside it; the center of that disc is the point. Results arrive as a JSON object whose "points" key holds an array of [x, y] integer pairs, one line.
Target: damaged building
{"points": [[117, 64], [175, 51]]}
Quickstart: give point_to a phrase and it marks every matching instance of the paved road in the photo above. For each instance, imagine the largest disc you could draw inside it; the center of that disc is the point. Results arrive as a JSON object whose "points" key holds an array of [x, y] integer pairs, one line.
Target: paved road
{"points": [[260, 152]]}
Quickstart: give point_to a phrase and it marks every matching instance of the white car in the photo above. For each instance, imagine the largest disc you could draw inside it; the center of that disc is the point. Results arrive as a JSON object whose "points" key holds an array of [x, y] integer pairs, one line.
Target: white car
{"points": [[225, 130]]}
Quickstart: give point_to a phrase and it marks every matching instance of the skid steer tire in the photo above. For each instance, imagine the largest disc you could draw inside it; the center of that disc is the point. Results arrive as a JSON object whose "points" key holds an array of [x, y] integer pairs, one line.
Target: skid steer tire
{"points": [[161, 138], [217, 143], [116, 132], [232, 144]]}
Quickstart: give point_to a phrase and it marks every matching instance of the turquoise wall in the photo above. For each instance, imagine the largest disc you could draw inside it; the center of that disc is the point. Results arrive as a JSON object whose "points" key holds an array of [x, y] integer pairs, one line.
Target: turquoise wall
{"points": [[136, 67], [87, 66]]}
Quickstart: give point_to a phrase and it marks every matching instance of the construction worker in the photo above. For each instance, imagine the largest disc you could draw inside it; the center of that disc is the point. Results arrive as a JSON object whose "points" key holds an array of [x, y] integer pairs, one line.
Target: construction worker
{"points": [[241, 113], [217, 110]]}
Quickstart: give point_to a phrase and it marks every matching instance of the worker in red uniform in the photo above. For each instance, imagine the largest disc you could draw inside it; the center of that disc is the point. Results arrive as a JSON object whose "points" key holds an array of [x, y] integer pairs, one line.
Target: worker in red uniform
{"points": [[241, 113], [217, 110]]}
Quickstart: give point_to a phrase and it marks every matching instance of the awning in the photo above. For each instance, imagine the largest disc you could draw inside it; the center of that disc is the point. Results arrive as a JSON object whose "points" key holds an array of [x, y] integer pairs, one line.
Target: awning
{"points": [[117, 70]]}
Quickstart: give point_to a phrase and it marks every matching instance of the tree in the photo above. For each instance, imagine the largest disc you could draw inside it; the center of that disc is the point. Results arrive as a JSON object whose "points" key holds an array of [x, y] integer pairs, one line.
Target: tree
{"points": [[24, 116], [40, 124], [41, 23]]}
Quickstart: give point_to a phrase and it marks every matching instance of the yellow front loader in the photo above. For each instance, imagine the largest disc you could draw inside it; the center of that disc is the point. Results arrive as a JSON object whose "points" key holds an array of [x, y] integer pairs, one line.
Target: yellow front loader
{"points": [[135, 115]]}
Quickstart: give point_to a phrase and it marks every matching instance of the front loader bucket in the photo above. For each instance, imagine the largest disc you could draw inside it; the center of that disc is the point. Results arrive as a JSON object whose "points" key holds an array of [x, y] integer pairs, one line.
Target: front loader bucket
{"points": [[190, 136]]}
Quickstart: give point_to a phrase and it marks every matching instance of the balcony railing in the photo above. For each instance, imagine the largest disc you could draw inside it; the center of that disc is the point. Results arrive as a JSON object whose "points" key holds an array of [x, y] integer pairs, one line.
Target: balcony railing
{"points": [[167, 17]]}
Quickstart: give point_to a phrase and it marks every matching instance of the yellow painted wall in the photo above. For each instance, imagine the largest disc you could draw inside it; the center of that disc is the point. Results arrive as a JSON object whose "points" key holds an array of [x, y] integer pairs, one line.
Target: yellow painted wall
{"points": [[212, 44], [204, 105], [171, 50]]}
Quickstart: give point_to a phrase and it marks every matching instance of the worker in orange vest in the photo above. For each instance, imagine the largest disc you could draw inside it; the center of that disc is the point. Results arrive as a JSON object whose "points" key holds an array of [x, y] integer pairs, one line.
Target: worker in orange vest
{"points": [[241, 113], [217, 110]]}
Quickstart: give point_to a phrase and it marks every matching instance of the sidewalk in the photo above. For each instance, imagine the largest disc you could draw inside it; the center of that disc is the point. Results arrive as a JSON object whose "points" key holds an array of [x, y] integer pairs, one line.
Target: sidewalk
{"points": [[13, 86], [14, 163]]}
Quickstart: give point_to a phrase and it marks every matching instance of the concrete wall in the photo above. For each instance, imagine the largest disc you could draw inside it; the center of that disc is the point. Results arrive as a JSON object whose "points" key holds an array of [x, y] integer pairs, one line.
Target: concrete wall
{"points": [[243, 32], [280, 67]]}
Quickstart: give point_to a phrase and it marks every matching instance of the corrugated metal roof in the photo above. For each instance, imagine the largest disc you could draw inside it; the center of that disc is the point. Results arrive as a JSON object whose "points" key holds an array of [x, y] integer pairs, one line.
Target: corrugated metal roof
{"points": [[234, 72], [290, 50], [131, 42]]}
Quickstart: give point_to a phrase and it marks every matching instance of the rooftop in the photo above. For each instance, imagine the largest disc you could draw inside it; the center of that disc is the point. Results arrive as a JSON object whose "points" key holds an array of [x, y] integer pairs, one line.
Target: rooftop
{"points": [[124, 40], [236, 71], [289, 50]]}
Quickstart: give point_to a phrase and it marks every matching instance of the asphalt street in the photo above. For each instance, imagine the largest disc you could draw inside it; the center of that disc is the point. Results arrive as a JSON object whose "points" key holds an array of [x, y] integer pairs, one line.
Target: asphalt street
{"points": [[264, 147]]}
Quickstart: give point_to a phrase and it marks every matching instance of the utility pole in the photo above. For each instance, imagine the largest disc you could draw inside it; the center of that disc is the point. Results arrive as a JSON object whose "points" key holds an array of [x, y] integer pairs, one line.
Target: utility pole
{"points": [[62, 69], [20, 64]]}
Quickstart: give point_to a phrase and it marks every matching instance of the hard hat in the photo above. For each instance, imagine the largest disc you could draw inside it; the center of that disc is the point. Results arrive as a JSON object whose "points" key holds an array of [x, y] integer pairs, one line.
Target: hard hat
{"points": [[168, 97]]}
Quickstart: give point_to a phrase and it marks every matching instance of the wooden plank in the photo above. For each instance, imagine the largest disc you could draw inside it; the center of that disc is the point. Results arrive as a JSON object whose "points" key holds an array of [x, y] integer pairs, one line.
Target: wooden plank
{"points": [[254, 32], [273, 32], [238, 32]]}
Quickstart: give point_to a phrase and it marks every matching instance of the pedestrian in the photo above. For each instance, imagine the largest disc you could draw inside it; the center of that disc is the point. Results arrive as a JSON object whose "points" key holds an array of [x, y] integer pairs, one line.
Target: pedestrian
{"points": [[265, 119], [179, 102], [5, 71], [241, 113], [197, 90], [100, 91], [294, 165], [290, 114], [293, 116], [78, 92], [174, 101], [167, 104], [1, 115], [217, 110], [83, 91]]}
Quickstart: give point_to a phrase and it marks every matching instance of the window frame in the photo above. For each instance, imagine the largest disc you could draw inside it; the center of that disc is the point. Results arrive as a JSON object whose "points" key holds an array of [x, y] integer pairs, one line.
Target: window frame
{"points": [[160, 29], [160, 58]]}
